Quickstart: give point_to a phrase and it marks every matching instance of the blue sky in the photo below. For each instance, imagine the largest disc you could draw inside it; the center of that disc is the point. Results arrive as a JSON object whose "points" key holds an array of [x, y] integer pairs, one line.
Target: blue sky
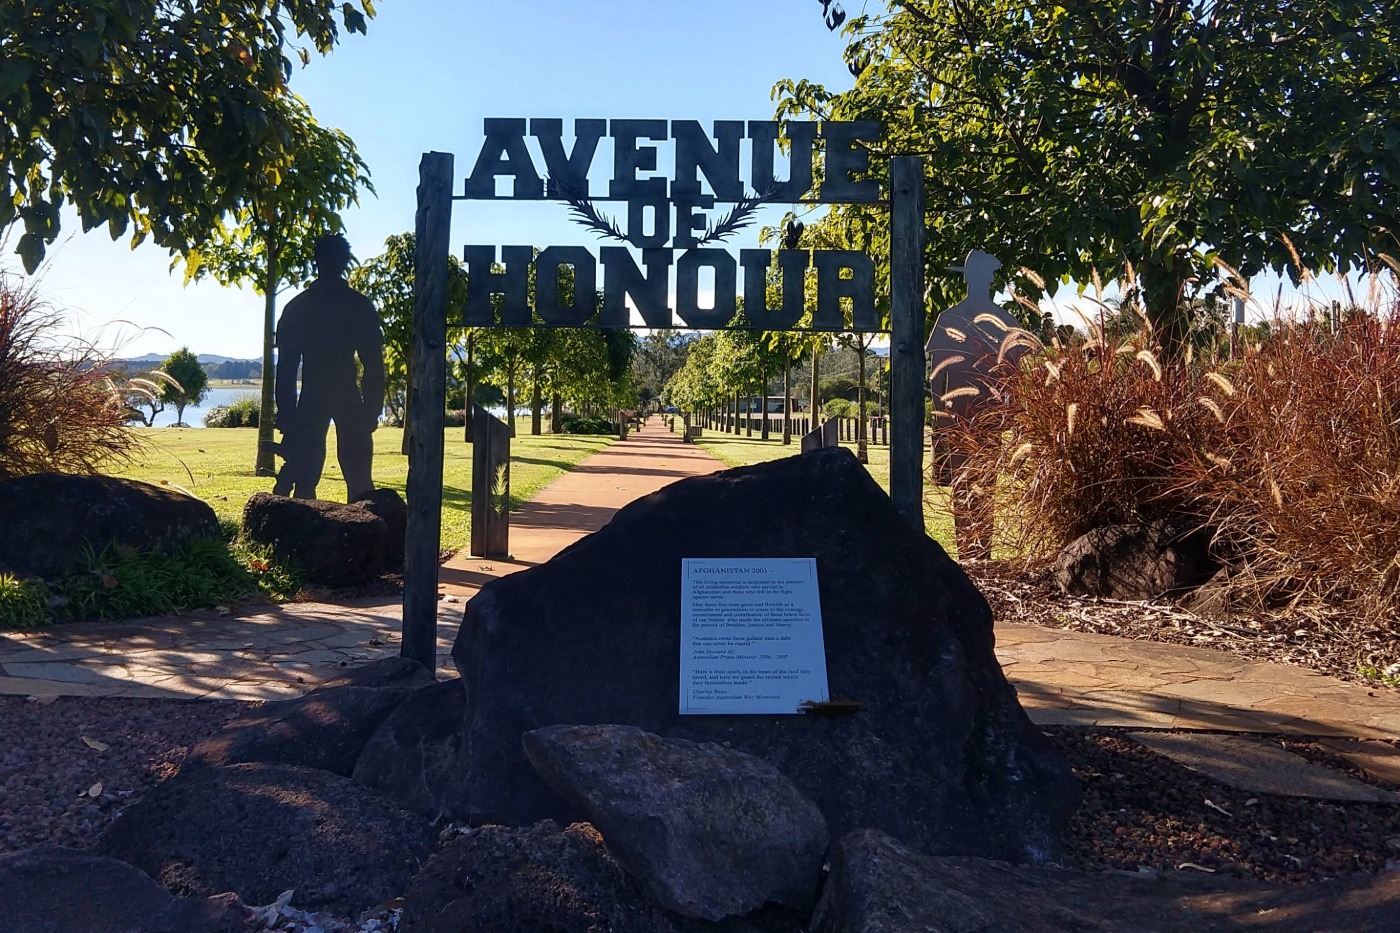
{"points": [[423, 79]]}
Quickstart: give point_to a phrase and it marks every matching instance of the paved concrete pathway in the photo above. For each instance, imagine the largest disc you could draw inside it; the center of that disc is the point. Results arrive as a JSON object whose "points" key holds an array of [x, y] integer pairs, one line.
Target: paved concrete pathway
{"points": [[1062, 677]]}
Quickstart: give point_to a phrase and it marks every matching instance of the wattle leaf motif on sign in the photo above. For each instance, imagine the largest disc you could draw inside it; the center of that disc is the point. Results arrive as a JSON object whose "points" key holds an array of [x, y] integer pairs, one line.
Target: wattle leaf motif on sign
{"points": [[741, 215]]}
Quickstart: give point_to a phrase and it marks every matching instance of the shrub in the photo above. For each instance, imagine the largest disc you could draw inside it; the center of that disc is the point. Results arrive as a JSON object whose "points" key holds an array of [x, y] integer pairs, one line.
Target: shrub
{"points": [[1301, 482], [242, 412], [1287, 454], [571, 423], [58, 410], [839, 408], [122, 583]]}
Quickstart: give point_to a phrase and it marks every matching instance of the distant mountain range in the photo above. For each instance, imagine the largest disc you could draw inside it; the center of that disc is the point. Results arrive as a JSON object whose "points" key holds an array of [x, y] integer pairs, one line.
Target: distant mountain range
{"points": [[205, 358]]}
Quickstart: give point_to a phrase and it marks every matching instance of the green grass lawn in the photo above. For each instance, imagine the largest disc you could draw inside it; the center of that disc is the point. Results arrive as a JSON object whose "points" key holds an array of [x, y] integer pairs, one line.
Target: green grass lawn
{"points": [[742, 451], [216, 465]]}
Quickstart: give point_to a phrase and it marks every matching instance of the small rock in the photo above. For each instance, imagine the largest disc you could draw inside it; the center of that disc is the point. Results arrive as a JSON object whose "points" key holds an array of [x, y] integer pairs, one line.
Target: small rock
{"points": [[710, 831], [57, 890]]}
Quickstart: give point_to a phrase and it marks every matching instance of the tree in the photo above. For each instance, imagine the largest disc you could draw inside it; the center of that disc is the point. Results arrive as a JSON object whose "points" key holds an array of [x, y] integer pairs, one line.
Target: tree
{"points": [[387, 280], [660, 355], [158, 115], [1146, 140], [271, 239], [188, 383]]}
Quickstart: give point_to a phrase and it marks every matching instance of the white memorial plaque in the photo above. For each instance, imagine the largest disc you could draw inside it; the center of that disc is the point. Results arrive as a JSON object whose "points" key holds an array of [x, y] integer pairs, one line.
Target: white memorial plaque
{"points": [[751, 636]]}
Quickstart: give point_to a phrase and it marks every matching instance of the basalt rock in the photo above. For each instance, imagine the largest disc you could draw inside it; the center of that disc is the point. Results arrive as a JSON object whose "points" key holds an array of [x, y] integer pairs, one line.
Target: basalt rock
{"points": [[57, 890], [879, 885], [326, 729], [50, 518], [1134, 562], [328, 543], [939, 754], [711, 832], [259, 829]]}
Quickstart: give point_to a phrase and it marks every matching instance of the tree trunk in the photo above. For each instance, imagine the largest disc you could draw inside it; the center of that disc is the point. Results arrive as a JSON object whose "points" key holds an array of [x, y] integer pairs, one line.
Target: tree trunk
{"points": [[536, 400], [738, 428], [556, 413], [763, 406], [787, 398], [813, 399], [510, 399], [1161, 300], [407, 407], [862, 451], [467, 400], [266, 462]]}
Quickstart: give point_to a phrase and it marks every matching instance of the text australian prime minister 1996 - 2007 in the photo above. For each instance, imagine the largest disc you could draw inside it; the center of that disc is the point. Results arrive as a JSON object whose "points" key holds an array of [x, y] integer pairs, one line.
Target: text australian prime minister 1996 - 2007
{"points": [[673, 224]]}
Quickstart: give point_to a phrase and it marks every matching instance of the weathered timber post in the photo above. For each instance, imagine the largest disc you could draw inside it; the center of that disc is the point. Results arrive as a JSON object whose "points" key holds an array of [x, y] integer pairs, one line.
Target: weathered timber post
{"points": [[429, 397], [907, 337]]}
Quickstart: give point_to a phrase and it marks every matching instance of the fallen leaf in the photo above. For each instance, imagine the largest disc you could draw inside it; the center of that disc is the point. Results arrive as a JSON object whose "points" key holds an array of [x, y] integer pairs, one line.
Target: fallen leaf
{"points": [[222, 610], [95, 790], [95, 745], [45, 700], [1251, 801], [1194, 867], [1218, 808]]}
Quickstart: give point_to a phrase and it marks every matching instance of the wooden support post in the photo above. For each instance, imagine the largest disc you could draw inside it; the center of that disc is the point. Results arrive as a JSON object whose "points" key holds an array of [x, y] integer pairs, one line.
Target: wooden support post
{"points": [[907, 388], [429, 397]]}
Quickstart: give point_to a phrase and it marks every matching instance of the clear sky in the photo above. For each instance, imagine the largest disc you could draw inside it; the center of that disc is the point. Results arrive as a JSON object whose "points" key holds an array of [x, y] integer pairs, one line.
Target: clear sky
{"points": [[423, 79]]}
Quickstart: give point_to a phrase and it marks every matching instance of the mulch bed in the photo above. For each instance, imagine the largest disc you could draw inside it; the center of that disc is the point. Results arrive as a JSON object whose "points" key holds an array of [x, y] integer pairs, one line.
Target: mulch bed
{"points": [[1332, 644]]}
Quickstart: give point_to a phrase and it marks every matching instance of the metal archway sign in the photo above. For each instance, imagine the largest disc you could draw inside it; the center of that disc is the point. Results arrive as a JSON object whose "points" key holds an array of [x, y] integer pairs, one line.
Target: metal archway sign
{"points": [[674, 224]]}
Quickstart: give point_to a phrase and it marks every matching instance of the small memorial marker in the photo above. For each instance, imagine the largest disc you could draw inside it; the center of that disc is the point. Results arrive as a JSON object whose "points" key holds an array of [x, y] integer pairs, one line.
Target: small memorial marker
{"points": [[751, 636]]}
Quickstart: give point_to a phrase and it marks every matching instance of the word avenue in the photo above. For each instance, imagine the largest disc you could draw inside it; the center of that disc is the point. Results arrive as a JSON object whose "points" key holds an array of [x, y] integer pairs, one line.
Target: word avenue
{"points": [[668, 224]]}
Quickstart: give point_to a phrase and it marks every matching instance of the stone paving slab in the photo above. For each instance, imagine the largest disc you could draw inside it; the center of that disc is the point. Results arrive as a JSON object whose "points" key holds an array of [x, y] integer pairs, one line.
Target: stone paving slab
{"points": [[1260, 766], [1378, 759], [1072, 678]]}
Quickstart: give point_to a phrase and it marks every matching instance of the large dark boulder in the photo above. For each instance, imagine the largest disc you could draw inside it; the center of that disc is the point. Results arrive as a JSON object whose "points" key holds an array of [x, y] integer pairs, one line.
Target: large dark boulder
{"points": [[328, 543], [326, 729], [49, 518], [259, 829], [1134, 561], [941, 754], [390, 507], [56, 890], [879, 885], [711, 832], [414, 755]]}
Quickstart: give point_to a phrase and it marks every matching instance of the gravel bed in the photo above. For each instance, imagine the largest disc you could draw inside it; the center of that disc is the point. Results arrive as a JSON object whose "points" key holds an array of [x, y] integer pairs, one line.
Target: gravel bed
{"points": [[1140, 809], [1144, 811], [68, 764]]}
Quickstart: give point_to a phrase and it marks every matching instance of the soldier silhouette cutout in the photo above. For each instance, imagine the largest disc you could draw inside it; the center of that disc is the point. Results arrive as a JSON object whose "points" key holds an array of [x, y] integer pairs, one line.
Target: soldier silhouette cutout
{"points": [[963, 352], [330, 337]]}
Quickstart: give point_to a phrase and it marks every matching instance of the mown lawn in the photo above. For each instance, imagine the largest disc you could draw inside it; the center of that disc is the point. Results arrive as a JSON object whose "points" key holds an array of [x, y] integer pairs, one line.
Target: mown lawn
{"points": [[742, 451], [216, 465]]}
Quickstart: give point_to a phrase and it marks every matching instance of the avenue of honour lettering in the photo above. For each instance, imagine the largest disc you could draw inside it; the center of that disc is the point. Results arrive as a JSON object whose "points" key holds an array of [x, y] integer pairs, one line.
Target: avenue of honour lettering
{"points": [[751, 636], [665, 220]]}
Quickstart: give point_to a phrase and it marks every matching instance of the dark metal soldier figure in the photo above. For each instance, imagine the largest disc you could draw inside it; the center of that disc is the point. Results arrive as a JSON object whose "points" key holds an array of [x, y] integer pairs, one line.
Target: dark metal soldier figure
{"points": [[963, 351], [330, 337]]}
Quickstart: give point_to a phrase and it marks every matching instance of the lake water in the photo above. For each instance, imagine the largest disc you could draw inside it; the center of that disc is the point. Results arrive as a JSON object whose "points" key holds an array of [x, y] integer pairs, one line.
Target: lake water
{"points": [[226, 395], [194, 415]]}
